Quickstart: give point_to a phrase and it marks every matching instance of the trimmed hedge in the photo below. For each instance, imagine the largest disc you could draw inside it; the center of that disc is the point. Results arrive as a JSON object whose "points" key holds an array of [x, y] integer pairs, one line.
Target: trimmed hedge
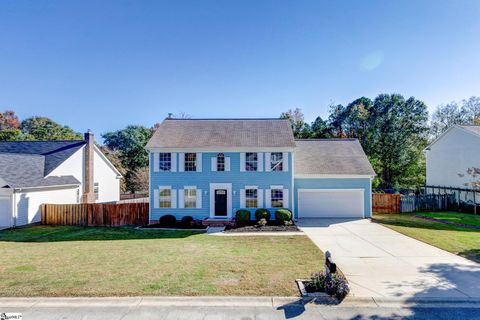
{"points": [[187, 221], [283, 215], [242, 215], [168, 221], [262, 214]]}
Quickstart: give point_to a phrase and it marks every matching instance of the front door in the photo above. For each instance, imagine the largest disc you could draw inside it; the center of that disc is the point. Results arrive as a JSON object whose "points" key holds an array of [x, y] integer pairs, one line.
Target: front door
{"points": [[221, 203]]}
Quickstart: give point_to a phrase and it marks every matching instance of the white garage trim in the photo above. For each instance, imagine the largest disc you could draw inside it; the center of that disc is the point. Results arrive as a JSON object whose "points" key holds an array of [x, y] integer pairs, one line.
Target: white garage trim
{"points": [[330, 190]]}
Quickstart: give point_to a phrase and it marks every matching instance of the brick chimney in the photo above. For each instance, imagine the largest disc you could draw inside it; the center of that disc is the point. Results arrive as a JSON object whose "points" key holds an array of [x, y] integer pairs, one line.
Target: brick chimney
{"points": [[88, 195]]}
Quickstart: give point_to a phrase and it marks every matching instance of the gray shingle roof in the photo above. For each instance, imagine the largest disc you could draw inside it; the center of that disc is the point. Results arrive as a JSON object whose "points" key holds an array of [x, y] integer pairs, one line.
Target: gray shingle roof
{"points": [[223, 133], [25, 164], [474, 129], [331, 156]]}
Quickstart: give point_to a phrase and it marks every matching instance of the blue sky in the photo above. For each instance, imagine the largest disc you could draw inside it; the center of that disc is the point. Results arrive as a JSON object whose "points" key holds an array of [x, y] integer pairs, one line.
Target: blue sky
{"points": [[106, 64]]}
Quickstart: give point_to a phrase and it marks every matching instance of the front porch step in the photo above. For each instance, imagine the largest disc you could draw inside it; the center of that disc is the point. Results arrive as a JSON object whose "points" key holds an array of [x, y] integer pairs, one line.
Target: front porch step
{"points": [[217, 222]]}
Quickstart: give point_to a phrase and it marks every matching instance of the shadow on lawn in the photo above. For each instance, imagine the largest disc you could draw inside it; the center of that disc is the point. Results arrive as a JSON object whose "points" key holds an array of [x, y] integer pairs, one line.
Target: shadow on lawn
{"points": [[451, 281], [74, 233]]}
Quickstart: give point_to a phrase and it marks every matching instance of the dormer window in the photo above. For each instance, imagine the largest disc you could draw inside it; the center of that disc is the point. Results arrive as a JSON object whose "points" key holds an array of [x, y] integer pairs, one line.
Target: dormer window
{"points": [[220, 162]]}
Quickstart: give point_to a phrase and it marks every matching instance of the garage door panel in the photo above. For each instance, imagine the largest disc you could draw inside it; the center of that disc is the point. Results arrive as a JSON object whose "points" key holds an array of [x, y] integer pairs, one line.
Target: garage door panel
{"points": [[331, 203]]}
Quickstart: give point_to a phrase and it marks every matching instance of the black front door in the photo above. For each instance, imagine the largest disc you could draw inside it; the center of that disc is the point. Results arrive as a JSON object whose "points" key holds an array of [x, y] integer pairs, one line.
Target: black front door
{"points": [[221, 203]]}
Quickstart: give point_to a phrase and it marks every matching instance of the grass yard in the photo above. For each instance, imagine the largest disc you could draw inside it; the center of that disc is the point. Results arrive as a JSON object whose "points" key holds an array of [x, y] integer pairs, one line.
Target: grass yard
{"points": [[456, 217], [462, 241], [76, 261]]}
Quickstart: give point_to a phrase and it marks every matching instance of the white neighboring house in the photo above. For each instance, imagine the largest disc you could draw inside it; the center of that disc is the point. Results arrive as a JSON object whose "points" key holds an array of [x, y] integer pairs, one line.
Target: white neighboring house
{"points": [[450, 156], [36, 172]]}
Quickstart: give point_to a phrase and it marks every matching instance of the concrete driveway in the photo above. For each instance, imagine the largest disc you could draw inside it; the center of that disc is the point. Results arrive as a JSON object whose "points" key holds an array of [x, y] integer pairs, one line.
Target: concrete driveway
{"points": [[382, 263]]}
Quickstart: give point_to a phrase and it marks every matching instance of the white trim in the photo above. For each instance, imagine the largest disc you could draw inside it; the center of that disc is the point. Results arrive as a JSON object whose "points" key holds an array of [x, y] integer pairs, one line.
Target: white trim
{"points": [[156, 198], [243, 198], [189, 187], [223, 149], [276, 187], [156, 161], [331, 190], [251, 187], [213, 164], [181, 162], [292, 190], [242, 161], [198, 162], [226, 186], [286, 197], [268, 161], [173, 159], [333, 176], [285, 162], [259, 198], [268, 198], [199, 198], [227, 164], [173, 198], [181, 199], [260, 162]]}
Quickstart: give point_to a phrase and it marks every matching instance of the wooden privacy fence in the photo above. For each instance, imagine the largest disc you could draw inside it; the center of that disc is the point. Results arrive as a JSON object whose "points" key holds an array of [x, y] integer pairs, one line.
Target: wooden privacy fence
{"points": [[95, 214], [385, 203]]}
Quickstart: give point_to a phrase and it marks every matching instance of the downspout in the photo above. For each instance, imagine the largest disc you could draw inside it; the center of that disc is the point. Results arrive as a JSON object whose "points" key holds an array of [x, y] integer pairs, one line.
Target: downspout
{"points": [[14, 208]]}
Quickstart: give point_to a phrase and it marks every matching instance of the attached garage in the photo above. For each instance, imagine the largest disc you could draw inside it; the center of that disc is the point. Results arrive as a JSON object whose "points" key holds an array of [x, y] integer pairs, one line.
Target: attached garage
{"points": [[332, 179], [5, 210], [331, 203]]}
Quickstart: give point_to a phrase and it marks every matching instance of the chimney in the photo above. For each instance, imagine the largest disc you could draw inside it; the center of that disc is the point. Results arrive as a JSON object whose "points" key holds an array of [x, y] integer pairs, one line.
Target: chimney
{"points": [[88, 195]]}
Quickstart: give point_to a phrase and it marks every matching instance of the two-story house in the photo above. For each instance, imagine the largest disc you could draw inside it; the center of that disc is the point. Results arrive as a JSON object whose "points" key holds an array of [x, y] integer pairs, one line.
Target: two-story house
{"points": [[210, 168]]}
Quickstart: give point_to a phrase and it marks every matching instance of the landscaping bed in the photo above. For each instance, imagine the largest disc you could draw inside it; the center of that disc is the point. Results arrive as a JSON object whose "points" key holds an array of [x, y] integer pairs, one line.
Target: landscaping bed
{"points": [[254, 227], [283, 221], [178, 226]]}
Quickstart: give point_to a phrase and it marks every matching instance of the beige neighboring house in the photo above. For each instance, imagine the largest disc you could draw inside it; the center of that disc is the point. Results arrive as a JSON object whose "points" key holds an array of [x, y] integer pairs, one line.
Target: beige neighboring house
{"points": [[36, 172], [450, 156]]}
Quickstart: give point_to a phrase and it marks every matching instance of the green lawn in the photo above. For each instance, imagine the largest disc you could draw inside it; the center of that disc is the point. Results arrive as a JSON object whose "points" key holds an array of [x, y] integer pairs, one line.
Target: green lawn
{"points": [[76, 261], [456, 217], [461, 241]]}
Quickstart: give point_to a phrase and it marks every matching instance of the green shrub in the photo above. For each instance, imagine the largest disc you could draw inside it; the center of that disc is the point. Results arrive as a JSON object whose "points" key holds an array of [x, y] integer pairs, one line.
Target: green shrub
{"points": [[242, 216], [187, 221], [168, 221], [283, 215], [262, 214]]}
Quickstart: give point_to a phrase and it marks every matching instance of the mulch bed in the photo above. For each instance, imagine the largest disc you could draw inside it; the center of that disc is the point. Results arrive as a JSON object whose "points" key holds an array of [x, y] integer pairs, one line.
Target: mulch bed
{"points": [[177, 226], [462, 225], [257, 228]]}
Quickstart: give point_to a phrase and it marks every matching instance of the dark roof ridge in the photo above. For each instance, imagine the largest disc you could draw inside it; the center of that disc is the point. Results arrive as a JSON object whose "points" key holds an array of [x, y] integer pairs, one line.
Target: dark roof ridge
{"points": [[13, 141], [79, 142], [329, 139]]}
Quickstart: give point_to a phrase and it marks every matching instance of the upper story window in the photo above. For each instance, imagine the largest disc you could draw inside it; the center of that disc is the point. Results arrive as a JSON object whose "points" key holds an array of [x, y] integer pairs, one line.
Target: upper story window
{"points": [[251, 198], [190, 198], [165, 198], [190, 161], [220, 162], [276, 161], [251, 161], [165, 161], [277, 198]]}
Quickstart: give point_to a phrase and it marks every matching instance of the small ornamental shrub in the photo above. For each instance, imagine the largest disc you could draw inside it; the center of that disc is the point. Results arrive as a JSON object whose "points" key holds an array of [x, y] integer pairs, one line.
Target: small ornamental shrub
{"points": [[187, 221], [168, 221], [242, 216], [262, 222], [334, 284], [288, 223], [283, 215], [262, 214]]}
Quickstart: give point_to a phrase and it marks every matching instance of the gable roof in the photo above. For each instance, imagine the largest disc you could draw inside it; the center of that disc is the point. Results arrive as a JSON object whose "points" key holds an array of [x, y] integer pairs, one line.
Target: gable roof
{"points": [[331, 157], [475, 130], [223, 133]]}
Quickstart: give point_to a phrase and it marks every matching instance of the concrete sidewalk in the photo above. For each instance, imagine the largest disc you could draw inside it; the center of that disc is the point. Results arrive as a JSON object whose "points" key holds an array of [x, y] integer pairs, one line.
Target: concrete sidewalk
{"points": [[382, 263]]}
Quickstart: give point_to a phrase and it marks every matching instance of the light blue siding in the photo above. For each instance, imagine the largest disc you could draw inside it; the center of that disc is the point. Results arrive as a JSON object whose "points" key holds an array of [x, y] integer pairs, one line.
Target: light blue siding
{"points": [[335, 183], [202, 180]]}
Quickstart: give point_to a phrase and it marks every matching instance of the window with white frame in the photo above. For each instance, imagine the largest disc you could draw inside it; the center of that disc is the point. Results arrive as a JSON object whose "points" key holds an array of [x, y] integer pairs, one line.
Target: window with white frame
{"points": [[95, 190], [276, 161], [251, 161], [251, 198], [190, 198], [220, 162], [165, 198], [277, 198], [190, 161], [165, 161]]}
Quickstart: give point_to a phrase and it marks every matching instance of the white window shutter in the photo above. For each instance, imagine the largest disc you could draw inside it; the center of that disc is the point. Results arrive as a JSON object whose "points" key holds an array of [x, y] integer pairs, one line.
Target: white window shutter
{"points": [[199, 198], [227, 163], [156, 198], [285, 161], [268, 198], [181, 162], [243, 203], [260, 198], [181, 198], [155, 162], [285, 199], [174, 198], [174, 162], [260, 161], [199, 162], [214, 164], [242, 161], [268, 160]]}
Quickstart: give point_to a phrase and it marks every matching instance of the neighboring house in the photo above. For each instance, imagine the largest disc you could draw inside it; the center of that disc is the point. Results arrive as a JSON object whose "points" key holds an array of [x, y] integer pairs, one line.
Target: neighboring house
{"points": [[36, 172], [210, 168], [450, 156]]}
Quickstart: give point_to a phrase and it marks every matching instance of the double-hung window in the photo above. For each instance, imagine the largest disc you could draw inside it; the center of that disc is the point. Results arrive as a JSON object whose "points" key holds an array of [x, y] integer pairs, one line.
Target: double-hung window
{"points": [[190, 198], [276, 161], [165, 161], [220, 162], [277, 198], [190, 161], [251, 198], [251, 161], [165, 198]]}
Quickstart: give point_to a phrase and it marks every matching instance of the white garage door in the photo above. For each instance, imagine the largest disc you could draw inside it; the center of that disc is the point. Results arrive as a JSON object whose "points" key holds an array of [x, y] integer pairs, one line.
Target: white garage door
{"points": [[331, 203], [5, 211]]}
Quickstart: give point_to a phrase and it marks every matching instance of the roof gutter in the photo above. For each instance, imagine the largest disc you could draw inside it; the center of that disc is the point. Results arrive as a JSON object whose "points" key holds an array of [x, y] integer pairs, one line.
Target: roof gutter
{"points": [[48, 187]]}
